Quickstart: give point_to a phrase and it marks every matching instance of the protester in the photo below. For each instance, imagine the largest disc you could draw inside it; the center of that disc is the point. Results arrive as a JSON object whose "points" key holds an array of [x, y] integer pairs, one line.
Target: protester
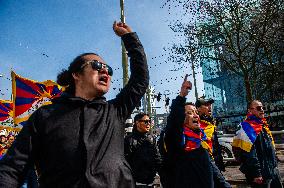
{"points": [[3, 139], [10, 140], [3, 146], [207, 123], [253, 146], [141, 152], [189, 161], [166, 167], [78, 140]]}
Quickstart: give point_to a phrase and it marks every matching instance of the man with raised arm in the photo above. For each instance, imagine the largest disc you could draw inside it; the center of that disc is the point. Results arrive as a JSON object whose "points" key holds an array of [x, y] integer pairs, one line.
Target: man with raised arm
{"points": [[78, 140], [189, 164]]}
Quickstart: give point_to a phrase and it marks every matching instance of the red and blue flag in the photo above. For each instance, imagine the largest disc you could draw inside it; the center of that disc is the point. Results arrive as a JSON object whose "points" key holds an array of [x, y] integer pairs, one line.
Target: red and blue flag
{"points": [[249, 130], [6, 112], [29, 95], [191, 139]]}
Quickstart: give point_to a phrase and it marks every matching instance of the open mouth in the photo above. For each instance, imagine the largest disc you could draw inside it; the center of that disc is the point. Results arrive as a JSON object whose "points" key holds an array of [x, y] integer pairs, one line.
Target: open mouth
{"points": [[103, 79], [195, 122]]}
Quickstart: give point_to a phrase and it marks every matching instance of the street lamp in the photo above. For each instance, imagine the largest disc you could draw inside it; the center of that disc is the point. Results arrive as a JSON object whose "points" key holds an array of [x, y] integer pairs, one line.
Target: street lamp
{"points": [[123, 51]]}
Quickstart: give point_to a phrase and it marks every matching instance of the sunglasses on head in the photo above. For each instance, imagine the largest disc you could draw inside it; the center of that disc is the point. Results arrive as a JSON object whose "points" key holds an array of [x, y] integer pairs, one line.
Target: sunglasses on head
{"points": [[97, 65], [259, 108], [145, 121]]}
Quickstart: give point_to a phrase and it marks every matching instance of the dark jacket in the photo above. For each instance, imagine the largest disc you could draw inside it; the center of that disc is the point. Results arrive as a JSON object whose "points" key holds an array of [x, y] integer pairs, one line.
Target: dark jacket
{"points": [[216, 147], [142, 154], [261, 160], [217, 160], [80, 143], [191, 169]]}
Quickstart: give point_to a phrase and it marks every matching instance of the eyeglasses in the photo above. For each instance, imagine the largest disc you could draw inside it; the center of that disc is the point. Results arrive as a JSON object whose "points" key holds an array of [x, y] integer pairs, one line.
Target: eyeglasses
{"points": [[145, 121], [259, 108], [97, 65]]}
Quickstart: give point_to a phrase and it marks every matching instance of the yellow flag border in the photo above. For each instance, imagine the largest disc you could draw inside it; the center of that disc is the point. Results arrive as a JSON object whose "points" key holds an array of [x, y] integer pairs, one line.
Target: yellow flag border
{"points": [[13, 76]]}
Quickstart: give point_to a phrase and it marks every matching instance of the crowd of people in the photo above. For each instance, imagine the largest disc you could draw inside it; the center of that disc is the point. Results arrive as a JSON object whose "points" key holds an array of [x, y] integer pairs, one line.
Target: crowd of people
{"points": [[5, 143], [79, 140]]}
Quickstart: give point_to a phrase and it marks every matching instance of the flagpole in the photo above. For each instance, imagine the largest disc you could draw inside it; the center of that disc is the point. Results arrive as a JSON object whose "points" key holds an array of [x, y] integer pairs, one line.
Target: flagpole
{"points": [[12, 97], [123, 51]]}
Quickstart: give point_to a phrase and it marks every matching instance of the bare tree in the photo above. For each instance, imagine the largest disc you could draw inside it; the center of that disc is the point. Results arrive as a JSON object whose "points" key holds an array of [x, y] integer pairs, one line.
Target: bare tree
{"points": [[245, 37]]}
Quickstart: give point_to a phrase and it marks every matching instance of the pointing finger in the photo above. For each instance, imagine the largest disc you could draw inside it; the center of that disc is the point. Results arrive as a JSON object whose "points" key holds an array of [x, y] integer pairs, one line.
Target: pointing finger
{"points": [[185, 78]]}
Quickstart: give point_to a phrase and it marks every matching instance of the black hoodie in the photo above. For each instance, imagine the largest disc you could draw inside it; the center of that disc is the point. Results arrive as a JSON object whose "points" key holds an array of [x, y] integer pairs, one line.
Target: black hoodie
{"points": [[79, 143]]}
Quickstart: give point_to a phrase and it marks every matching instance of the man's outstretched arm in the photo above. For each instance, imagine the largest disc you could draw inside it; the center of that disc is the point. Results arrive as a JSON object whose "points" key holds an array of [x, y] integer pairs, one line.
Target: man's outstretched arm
{"points": [[138, 83]]}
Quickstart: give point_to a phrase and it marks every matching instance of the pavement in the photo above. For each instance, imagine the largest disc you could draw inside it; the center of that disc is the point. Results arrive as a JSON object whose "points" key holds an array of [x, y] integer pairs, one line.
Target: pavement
{"points": [[234, 176], [237, 179]]}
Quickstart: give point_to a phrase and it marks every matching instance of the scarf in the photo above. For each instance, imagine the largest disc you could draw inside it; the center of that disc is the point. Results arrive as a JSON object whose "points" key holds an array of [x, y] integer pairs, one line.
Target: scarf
{"points": [[192, 139], [250, 129], [209, 129]]}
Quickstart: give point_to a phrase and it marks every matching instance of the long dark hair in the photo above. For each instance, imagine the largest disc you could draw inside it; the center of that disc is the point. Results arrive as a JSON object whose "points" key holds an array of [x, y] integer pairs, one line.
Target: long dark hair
{"points": [[65, 78]]}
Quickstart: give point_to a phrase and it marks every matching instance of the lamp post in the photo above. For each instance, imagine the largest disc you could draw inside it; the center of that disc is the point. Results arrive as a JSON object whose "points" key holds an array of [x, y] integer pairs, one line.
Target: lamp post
{"points": [[124, 62], [149, 105], [123, 51]]}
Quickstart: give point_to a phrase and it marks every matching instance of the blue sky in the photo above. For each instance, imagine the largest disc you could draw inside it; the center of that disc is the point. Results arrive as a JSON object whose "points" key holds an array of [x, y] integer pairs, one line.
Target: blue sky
{"points": [[39, 38]]}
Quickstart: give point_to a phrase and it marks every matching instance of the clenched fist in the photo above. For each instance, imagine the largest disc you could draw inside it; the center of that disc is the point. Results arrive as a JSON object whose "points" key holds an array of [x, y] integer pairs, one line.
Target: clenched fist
{"points": [[121, 28]]}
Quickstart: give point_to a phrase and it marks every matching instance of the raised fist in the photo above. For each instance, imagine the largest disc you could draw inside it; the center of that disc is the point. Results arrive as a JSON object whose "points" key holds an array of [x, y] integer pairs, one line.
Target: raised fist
{"points": [[121, 28]]}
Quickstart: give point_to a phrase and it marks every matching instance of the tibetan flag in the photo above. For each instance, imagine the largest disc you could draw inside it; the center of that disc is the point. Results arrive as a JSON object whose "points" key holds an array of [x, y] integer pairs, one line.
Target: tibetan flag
{"points": [[29, 95], [6, 113], [244, 139], [6, 122], [209, 129], [192, 140], [250, 128], [7, 126]]}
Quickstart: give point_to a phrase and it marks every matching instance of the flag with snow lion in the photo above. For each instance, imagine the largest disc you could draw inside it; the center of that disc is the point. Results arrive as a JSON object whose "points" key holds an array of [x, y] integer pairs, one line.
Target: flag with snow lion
{"points": [[29, 95], [6, 112], [6, 123]]}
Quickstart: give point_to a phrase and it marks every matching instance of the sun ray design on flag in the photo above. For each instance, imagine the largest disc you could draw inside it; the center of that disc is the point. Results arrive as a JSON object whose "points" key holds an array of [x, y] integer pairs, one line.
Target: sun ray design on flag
{"points": [[6, 112], [6, 122], [29, 95]]}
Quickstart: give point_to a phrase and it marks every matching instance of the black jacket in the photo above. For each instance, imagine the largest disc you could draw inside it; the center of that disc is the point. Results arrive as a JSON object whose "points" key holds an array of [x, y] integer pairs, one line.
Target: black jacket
{"points": [[261, 160], [218, 164], [191, 169], [142, 154], [217, 152], [80, 143]]}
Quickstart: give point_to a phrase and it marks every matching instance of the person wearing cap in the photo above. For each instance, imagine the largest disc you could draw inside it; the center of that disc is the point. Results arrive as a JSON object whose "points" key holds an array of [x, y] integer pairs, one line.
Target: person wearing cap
{"points": [[253, 147], [188, 163], [207, 123], [78, 140], [141, 151]]}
